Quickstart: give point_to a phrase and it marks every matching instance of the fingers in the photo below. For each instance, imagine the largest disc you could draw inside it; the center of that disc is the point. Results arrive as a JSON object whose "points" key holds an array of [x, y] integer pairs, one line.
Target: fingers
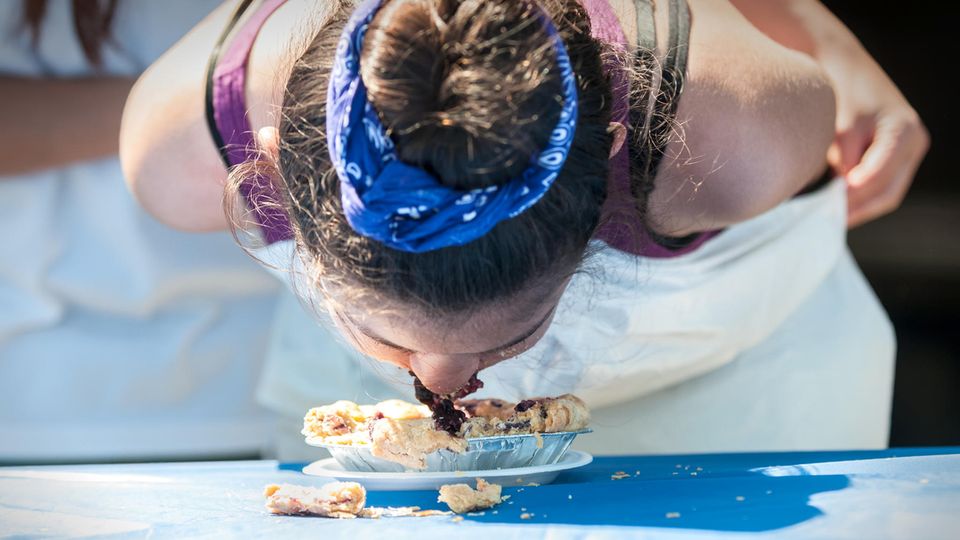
{"points": [[878, 184], [849, 146], [865, 203]]}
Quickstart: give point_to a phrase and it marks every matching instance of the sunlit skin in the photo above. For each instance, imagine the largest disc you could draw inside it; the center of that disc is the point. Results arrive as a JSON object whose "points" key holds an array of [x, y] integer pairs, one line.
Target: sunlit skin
{"points": [[444, 354]]}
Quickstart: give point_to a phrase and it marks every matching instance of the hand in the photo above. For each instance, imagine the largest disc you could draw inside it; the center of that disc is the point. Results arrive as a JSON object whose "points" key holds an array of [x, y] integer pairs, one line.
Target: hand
{"points": [[880, 140]]}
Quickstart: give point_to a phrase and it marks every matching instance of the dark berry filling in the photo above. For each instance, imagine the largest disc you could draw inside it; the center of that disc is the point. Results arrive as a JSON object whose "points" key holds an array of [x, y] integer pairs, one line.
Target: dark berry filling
{"points": [[445, 416], [523, 424], [525, 405]]}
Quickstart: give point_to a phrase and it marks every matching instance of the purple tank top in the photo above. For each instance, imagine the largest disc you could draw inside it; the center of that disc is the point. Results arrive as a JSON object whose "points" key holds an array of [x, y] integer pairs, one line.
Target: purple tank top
{"points": [[620, 227], [230, 114]]}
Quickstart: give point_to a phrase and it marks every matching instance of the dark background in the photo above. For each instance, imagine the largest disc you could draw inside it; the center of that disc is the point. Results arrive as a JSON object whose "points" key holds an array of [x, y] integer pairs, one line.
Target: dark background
{"points": [[912, 257]]}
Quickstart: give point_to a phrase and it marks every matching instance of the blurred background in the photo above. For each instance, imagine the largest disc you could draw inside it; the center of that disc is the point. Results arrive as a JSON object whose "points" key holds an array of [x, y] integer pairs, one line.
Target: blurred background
{"points": [[912, 257]]}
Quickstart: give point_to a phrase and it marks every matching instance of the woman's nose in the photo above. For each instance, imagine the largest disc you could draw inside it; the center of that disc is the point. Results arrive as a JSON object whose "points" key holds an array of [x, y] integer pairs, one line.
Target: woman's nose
{"points": [[444, 374]]}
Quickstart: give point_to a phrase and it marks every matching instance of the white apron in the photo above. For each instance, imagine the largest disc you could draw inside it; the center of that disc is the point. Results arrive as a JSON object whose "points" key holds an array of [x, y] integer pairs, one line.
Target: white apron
{"points": [[766, 337]]}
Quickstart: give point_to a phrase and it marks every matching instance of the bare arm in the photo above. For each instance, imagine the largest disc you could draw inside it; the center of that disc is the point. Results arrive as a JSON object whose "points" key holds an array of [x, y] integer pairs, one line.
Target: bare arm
{"points": [[880, 140], [169, 159], [755, 121], [54, 122]]}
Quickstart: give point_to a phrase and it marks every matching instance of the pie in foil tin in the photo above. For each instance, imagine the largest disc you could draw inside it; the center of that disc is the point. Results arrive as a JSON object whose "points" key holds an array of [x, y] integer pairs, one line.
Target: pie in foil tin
{"points": [[397, 436], [482, 453]]}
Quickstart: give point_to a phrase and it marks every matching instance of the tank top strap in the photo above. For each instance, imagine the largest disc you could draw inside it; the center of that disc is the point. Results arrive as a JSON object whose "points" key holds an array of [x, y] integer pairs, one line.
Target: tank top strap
{"points": [[227, 119], [673, 71], [622, 227]]}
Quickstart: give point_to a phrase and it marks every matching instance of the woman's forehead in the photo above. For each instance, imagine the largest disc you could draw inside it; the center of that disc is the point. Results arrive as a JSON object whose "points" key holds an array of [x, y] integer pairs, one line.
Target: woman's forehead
{"points": [[484, 329]]}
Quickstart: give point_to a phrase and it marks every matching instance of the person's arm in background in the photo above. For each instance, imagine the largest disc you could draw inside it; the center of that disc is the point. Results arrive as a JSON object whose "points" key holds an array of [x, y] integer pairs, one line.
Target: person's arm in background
{"points": [[880, 139], [169, 159], [170, 162], [53, 122]]}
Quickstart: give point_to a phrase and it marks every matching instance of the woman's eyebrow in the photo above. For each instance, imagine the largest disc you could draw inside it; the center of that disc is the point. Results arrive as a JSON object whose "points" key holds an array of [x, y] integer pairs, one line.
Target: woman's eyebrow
{"points": [[369, 335], [526, 336]]}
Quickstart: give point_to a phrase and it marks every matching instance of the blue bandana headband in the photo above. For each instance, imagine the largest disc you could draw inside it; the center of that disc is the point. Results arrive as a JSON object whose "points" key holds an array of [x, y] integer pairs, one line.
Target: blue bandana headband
{"points": [[403, 206]]}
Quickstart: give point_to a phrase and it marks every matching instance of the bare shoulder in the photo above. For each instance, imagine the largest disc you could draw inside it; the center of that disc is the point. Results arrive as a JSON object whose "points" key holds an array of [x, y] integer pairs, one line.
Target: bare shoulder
{"points": [[169, 158], [284, 38], [753, 126]]}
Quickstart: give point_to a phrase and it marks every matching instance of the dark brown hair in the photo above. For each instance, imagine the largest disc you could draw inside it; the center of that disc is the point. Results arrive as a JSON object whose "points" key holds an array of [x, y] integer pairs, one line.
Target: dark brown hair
{"points": [[468, 90], [92, 21]]}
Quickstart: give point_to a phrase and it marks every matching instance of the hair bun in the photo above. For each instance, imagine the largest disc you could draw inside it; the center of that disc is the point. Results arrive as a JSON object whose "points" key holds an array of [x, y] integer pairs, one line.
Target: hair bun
{"points": [[468, 89]]}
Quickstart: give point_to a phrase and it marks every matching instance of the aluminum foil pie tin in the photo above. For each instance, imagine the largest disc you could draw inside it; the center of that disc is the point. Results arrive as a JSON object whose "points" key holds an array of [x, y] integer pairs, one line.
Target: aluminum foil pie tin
{"points": [[483, 453]]}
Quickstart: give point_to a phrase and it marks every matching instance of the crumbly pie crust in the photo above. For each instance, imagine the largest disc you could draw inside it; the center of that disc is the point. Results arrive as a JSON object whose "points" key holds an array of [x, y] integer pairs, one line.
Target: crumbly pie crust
{"points": [[461, 498], [344, 500]]}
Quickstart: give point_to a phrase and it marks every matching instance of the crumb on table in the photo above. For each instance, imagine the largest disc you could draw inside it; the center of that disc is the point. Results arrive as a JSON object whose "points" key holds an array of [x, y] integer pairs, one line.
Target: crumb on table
{"points": [[344, 500], [462, 498]]}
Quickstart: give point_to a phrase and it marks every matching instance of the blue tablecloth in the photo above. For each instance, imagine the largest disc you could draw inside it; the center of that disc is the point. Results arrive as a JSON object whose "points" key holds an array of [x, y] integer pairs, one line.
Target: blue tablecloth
{"points": [[903, 493]]}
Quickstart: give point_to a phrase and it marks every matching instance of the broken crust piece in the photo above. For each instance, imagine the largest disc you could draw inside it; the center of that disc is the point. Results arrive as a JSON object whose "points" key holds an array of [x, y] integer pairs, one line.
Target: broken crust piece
{"points": [[551, 415], [346, 423], [540, 415], [336, 423], [374, 512], [399, 409], [462, 498], [486, 408], [408, 442], [344, 500]]}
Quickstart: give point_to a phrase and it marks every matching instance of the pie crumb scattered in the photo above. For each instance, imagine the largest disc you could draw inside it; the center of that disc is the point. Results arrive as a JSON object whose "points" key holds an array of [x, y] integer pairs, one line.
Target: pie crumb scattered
{"points": [[344, 500], [462, 498]]}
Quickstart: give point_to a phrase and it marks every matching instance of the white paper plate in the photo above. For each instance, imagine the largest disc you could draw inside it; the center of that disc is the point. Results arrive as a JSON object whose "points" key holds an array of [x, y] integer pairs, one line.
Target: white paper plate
{"points": [[396, 481]]}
